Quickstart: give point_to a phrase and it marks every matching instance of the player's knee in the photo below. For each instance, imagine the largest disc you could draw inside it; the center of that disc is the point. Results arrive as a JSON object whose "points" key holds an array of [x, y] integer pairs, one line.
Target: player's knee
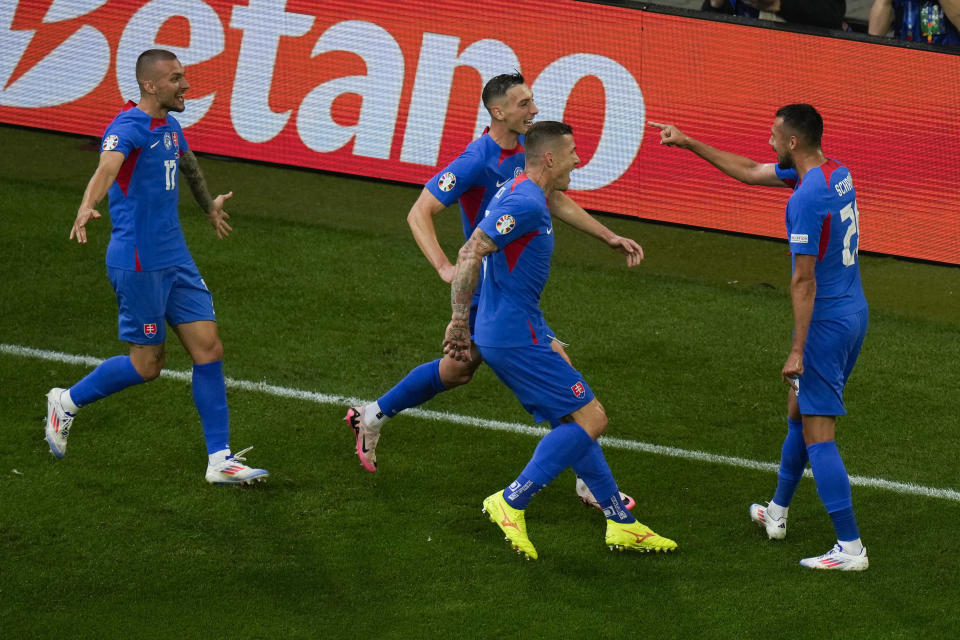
{"points": [[600, 426], [149, 366], [596, 421], [457, 380], [208, 351], [455, 373], [215, 352]]}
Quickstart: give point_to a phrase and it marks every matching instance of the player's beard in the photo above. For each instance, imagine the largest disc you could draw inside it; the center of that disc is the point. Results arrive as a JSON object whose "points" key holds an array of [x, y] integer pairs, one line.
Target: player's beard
{"points": [[785, 162], [176, 104]]}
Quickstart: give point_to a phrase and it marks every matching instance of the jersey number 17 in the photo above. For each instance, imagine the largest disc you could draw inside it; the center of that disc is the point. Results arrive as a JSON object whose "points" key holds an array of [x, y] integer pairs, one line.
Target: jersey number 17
{"points": [[170, 175]]}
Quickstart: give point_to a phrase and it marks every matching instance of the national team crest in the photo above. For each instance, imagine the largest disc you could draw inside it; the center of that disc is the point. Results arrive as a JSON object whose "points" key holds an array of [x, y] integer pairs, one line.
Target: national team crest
{"points": [[150, 329], [579, 390], [176, 140], [505, 224], [447, 181], [167, 141], [110, 142]]}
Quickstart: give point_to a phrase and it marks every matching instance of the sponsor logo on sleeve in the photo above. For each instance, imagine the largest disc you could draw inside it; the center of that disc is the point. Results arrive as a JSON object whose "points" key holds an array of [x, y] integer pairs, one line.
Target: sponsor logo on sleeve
{"points": [[110, 142], [447, 181], [799, 238], [505, 224]]}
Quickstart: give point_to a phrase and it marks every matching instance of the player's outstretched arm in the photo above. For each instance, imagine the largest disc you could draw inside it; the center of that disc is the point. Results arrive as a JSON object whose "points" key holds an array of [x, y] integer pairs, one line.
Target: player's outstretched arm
{"points": [[564, 208], [213, 207], [736, 166], [803, 291], [107, 170], [456, 341], [421, 224]]}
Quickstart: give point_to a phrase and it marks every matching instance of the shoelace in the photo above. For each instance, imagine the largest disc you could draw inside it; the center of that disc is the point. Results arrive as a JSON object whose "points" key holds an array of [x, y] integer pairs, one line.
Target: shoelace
{"points": [[238, 456], [65, 421]]}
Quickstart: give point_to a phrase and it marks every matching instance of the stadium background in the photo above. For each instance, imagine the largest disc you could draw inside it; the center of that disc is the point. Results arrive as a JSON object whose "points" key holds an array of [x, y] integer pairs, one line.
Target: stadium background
{"points": [[371, 89]]}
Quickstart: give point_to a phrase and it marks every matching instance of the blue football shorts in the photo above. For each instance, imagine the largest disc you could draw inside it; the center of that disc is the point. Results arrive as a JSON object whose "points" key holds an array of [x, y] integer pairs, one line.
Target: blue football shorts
{"points": [[828, 357], [148, 300], [544, 383]]}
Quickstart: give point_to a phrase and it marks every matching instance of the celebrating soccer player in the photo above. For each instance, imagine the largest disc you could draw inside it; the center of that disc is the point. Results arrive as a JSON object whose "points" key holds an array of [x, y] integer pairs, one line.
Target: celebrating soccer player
{"points": [[150, 268], [473, 178], [516, 237], [830, 316]]}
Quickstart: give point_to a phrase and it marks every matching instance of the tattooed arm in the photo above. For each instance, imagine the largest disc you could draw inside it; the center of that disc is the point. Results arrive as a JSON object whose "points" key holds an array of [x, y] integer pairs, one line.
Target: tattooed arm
{"points": [[456, 343], [198, 185]]}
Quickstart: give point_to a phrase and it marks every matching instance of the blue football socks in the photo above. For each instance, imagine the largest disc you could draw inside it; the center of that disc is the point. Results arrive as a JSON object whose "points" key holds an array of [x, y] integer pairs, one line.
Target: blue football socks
{"points": [[210, 396], [594, 470], [793, 460], [614, 509], [421, 384], [110, 376], [833, 485], [520, 491], [556, 451]]}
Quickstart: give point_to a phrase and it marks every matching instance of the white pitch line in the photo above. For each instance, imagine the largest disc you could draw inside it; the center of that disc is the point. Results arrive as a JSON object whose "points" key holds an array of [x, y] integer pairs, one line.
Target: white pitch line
{"points": [[908, 488]]}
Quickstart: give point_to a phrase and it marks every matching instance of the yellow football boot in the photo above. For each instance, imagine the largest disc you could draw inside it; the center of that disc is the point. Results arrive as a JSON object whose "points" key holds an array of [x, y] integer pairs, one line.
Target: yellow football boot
{"points": [[636, 537], [511, 522]]}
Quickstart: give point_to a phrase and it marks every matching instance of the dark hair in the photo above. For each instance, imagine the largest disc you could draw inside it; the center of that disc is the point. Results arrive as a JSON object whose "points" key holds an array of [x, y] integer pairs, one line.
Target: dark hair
{"points": [[803, 120], [498, 86], [542, 135], [148, 58]]}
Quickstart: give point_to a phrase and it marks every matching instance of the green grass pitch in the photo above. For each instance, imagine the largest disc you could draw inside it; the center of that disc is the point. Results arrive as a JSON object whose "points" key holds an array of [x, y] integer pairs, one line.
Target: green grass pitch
{"points": [[322, 289]]}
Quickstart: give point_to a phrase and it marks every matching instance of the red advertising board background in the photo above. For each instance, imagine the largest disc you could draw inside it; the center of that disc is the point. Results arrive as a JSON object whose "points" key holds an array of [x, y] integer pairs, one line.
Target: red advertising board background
{"points": [[391, 90]]}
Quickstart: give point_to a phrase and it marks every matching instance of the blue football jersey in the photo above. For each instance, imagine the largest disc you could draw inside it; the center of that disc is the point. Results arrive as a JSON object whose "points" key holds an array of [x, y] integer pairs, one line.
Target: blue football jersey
{"points": [[823, 221], [475, 176], [146, 232], [519, 222]]}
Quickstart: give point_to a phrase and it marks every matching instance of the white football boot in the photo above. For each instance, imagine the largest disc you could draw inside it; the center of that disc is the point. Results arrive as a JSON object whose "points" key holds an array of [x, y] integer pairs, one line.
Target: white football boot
{"points": [[366, 439], [231, 470], [586, 497], [57, 428], [776, 527], [838, 560]]}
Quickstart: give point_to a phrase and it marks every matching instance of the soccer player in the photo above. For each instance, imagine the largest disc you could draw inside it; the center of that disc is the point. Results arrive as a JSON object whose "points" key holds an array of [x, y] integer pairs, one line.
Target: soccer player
{"points": [[830, 316], [487, 164], [516, 239], [150, 268]]}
